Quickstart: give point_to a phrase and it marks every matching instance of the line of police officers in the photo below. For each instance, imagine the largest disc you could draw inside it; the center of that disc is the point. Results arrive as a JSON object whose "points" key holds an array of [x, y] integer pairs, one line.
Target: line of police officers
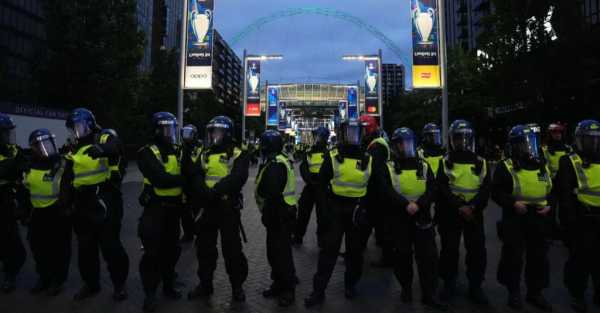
{"points": [[360, 184]]}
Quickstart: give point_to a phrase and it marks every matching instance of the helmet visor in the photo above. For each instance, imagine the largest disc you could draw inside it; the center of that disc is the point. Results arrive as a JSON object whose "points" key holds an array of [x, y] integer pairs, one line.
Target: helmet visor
{"points": [[44, 147], [215, 136], [433, 138], [8, 137], [405, 148], [463, 140], [167, 132], [79, 129], [188, 134], [589, 143], [352, 135], [527, 146]]}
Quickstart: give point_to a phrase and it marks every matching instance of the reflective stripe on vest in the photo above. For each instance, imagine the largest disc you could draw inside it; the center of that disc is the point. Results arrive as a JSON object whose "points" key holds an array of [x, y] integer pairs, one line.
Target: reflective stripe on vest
{"points": [[315, 160], [172, 167], [44, 189], [529, 186], [289, 192], [553, 159], [588, 181], [349, 180], [12, 153], [408, 184], [463, 181], [382, 142], [218, 166], [88, 171], [434, 163]]}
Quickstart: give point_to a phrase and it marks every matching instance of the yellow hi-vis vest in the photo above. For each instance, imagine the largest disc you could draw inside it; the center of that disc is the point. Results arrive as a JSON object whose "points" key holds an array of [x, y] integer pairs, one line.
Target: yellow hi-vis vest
{"points": [[172, 167], [12, 153], [553, 159], [588, 181], [112, 165], [530, 186], [315, 160], [218, 165], [289, 193], [196, 154], [464, 183], [432, 161], [384, 143], [408, 184], [349, 180], [44, 189], [88, 171]]}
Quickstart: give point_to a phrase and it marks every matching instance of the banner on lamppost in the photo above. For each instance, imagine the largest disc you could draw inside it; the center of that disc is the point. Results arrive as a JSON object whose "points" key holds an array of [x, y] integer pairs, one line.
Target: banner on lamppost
{"points": [[253, 87], [272, 101], [198, 69], [343, 109], [372, 86], [425, 36], [283, 118], [352, 103]]}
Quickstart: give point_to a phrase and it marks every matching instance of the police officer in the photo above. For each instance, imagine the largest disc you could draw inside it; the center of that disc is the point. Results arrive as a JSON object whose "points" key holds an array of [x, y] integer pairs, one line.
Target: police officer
{"points": [[379, 150], [225, 169], [312, 194], [192, 147], [431, 150], [579, 185], [162, 201], [12, 165], [95, 222], [463, 180], [522, 186], [409, 186], [346, 172], [276, 199], [48, 192]]}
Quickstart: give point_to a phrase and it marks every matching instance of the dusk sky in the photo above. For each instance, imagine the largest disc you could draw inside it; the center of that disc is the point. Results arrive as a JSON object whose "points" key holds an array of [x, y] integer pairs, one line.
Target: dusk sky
{"points": [[313, 45]]}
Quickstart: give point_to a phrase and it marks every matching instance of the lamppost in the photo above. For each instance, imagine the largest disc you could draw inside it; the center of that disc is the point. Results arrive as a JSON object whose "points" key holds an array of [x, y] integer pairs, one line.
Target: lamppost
{"points": [[376, 57], [252, 57]]}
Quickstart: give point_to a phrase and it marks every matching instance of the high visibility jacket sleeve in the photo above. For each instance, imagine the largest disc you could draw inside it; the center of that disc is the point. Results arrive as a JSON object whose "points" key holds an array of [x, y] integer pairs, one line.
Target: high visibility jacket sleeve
{"points": [[233, 183], [272, 185], [154, 171], [567, 182], [502, 189], [111, 147], [304, 172]]}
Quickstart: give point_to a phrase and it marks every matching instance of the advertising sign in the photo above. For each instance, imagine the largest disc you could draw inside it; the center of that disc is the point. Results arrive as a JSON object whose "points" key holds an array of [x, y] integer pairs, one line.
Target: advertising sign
{"points": [[198, 69], [343, 109], [272, 101], [426, 62], [352, 103], [372, 86], [283, 118], [253, 88]]}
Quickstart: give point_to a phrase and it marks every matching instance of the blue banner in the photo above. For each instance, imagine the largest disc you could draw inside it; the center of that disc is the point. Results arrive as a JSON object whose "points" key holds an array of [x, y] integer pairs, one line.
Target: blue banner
{"points": [[343, 110], [372, 86], [198, 70], [282, 113], [272, 101], [353, 103]]}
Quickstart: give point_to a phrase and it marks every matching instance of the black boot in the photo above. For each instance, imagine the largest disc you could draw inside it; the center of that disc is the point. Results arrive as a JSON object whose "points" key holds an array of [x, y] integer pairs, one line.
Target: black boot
{"points": [[478, 297], [171, 292], [120, 293], [406, 295], [271, 293], [315, 298], [86, 292], [297, 241], [238, 295], [286, 298], [55, 289], [150, 304], [10, 284], [39, 287], [515, 301], [538, 300], [597, 298], [201, 292], [578, 304]]}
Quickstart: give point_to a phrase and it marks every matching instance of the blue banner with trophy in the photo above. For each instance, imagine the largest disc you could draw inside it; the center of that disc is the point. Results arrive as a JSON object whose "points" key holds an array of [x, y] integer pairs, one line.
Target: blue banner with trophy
{"points": [[372, 87], [253, 88], [283, 118], [426, 62], [272, 101], [352, 103], [198, 69], [343, 109]]}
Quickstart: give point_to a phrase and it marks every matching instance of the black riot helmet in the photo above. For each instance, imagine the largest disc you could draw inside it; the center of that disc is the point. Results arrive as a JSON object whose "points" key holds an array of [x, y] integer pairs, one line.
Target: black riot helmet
{"points": [[461, 136], [321, 135], [189, 134], [7, 130], [587, 139], [432, 135], [271, 144], [219, 132], [165, 127], [404, 143], [81, 123], [524, 144], [42, 144]]}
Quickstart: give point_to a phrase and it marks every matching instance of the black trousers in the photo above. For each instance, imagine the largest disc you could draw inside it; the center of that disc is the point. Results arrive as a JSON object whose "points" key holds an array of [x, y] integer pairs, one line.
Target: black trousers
{"points": [[221, 219], [12, 251], [341, 225], [279, 253], [584, 256], [525, 246], [187, 220], [451, 228], [50, 242], [159, 231], [311, 196], [409, 241], [380, 226], [98, 228]]}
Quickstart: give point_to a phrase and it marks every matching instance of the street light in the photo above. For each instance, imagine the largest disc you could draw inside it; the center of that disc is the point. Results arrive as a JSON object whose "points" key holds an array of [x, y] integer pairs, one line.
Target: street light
{"points": [[251, 57], [374, 57]]}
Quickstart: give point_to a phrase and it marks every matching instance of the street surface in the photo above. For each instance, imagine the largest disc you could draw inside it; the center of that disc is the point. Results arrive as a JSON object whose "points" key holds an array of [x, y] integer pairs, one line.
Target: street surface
{"points": [[378, 290]]}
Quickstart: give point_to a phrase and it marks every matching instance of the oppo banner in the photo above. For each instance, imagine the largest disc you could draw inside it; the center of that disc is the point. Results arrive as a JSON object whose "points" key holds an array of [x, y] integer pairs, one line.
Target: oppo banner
{"points": [[372, 87], [272, 101], [198, 69], [426, 63], [253, 88], [352, 103]]}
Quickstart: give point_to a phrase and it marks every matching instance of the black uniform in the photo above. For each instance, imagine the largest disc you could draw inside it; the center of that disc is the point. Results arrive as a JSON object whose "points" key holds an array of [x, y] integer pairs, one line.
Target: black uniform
{"points": [[340, 222], [582, 226], [95, 225], [452, 226], [521, 235], [159, 224], [312, 195], [12, 251], [414, 231], [222, 215], [50, 229], [278, 217]]}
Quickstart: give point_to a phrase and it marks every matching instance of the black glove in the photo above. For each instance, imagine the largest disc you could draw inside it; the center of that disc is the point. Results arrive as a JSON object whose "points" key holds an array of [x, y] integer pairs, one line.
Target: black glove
{"points": [[95, 152]]}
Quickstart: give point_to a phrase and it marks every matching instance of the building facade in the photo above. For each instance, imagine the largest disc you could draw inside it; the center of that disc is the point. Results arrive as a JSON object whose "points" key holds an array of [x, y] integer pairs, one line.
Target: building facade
{"points": [[463, 22], [144, 12], [227, 73], [392, 81], [591, 11]]}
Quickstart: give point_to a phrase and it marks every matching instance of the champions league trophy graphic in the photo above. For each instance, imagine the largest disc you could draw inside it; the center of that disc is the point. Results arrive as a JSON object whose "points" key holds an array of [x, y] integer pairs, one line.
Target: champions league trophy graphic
{"points": [[423, 22], [342, 111], [200, 24], [371, 78], [253, 79]]}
